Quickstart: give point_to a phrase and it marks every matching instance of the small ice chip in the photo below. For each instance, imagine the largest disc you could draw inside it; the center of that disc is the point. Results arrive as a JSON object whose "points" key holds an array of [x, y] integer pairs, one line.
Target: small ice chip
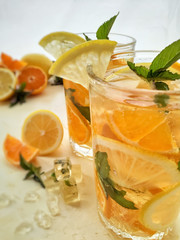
{"points": [[24, 228], [42, 219]]}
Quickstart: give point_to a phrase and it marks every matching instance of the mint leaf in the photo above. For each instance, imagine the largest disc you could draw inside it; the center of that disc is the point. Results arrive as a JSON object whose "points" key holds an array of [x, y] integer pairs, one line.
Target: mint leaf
{"points": [[19, 95], [86, 37], [105, 28], [179, 165], [161, 100], [167, 75], [102, 164], [166, 57], [161, 86], [141, 71]]}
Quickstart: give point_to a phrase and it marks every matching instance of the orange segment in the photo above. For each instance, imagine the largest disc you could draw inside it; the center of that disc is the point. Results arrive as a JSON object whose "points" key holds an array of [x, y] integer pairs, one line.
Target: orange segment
{"points": [[116, 63], [35, 79], [79, 128], [13, 65], [13, 147], [81, 94]]}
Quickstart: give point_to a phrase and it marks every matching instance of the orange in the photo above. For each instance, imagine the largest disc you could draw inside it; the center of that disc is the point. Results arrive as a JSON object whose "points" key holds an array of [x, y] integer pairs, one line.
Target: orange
{"points": [[10, 63], [13, 147], [81, 94], [35, 79], [79, 129], [147, 128], [116, 63]]}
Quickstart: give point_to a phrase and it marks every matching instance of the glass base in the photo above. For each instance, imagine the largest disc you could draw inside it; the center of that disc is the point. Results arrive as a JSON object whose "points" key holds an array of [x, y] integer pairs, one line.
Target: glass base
{"points": [[82, 150], [125, 235]]}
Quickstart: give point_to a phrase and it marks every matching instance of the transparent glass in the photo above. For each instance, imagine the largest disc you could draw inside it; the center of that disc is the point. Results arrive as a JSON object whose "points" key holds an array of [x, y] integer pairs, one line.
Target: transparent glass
{"points": [[77, 101], [136, 148]]}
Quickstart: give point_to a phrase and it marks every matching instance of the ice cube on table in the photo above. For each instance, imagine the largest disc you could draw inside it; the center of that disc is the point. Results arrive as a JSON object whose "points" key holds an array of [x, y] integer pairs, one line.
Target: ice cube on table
{"points": [[50, 181], [5, 200], [62, 168], [42, 219], [76, 172], [31, 197], [23, 228], [69, 190], [53, 203]]}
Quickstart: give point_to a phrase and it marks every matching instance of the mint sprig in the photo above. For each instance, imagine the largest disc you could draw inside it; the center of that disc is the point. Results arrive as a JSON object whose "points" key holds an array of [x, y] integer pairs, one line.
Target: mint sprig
{"points": [[108, 186]]}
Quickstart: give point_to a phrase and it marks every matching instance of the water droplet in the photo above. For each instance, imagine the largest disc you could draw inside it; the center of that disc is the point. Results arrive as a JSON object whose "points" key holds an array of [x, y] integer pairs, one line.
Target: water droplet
{"points": [[42, 219], [24, 228], [31, 197], [53, 204], [5, 200]]}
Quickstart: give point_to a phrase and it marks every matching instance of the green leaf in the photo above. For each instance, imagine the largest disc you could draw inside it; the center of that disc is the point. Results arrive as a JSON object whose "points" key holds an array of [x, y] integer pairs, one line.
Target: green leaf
{"points": [[179, 165], [86, 37], [105, 28], [161, 86], [161, 100], [167, 75], [101, 157], [141, 71], [19, 95], [166, 57]]}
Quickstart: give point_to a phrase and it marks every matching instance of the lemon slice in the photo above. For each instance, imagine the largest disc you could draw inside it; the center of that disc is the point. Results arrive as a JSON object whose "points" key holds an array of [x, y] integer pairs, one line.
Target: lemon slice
{"points": [[134, 168], [162, 210], [72, 64], [43, 129], [57, 43], [7, 83]]}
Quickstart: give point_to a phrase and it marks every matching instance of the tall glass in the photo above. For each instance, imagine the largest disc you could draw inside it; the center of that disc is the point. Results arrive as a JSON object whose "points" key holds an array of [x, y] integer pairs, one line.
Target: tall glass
{"points": [[77, 101], [136, 148]]}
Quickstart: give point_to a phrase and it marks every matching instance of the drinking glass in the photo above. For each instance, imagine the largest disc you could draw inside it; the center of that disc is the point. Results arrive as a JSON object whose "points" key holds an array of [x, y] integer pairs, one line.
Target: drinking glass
{"points": [[136, 148], [77, 101]]}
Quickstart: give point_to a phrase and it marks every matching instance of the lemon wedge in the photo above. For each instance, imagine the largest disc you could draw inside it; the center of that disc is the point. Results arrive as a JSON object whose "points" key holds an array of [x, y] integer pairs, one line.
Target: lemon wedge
{"points": [[162, 210], [72, 64], [57, 43]]}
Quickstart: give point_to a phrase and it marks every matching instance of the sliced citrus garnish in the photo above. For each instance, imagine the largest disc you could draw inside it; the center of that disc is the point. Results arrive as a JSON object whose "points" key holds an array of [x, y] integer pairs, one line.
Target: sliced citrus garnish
{"points": [[38, 60], [79, 128], [12, 64], [57, 43], [73, 63], [43, 129], [137, 169], [80, 94], [7, 83], [13, 147], [162, 210], [147, 128], [35, 79]]}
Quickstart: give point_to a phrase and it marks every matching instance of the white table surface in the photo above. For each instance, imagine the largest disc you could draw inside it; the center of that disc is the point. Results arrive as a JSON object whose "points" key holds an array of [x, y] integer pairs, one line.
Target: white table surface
{"points": [[23, 23]]}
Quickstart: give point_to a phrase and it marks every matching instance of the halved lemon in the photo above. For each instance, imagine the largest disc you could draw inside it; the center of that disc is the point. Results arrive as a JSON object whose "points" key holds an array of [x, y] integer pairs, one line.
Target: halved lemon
{"points": [[57, 43], [137, 169], [43, 129], [72, 64], [7, 83], [162, 210]]}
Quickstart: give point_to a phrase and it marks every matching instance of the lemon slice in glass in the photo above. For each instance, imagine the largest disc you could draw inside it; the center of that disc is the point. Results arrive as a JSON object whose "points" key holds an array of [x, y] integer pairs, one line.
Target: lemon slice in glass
{"points": [[72, 64], [7, 83], [57, 43], [162, 210]]}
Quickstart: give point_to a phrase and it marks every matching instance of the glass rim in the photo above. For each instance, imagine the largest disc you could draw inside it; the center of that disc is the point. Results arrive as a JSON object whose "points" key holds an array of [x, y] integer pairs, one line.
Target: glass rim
{"points": [[133, 40], [95, 80]]}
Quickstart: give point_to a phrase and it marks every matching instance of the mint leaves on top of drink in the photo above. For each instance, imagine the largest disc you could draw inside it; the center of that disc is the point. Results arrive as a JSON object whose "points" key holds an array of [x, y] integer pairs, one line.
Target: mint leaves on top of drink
{"points": [[158, 69], [104, 30]]}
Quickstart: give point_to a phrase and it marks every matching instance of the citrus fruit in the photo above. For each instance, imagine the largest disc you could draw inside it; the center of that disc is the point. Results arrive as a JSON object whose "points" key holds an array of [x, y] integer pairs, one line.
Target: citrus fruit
{"points": [[57, 43], [10, 63], [145, 127], [38, 60], [79, 129], [7, 83], [162, 210], [35, 79], [13, 147], [80, 94], [135, 168], [43, 129], [72, 65]]}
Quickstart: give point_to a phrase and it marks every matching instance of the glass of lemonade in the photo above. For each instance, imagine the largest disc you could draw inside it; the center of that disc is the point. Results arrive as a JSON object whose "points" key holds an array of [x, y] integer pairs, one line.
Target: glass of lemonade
{"points": [[77, 100], [136, 148]]}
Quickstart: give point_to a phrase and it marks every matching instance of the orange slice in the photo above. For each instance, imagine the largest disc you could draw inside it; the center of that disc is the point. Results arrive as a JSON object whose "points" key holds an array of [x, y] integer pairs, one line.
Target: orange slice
{"points": [[35, 79], [10, 63], [43, 129], [79, 128], [13, 147]]}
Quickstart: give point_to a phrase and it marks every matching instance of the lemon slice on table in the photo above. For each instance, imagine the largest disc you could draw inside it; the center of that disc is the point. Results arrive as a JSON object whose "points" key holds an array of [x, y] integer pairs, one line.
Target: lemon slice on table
{"points": [[7, 83], [72, 64], [138, 169], [43, 129], [161, 211], [57, 43]]}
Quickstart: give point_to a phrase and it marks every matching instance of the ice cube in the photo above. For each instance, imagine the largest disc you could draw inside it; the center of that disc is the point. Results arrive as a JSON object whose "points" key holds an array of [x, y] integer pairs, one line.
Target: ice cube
{"points": [[62, 168], [69, 190], [24, 228], [50, 181], [5, 200], [76, 172], [53, 204], [31, 197], [42, 219]]}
